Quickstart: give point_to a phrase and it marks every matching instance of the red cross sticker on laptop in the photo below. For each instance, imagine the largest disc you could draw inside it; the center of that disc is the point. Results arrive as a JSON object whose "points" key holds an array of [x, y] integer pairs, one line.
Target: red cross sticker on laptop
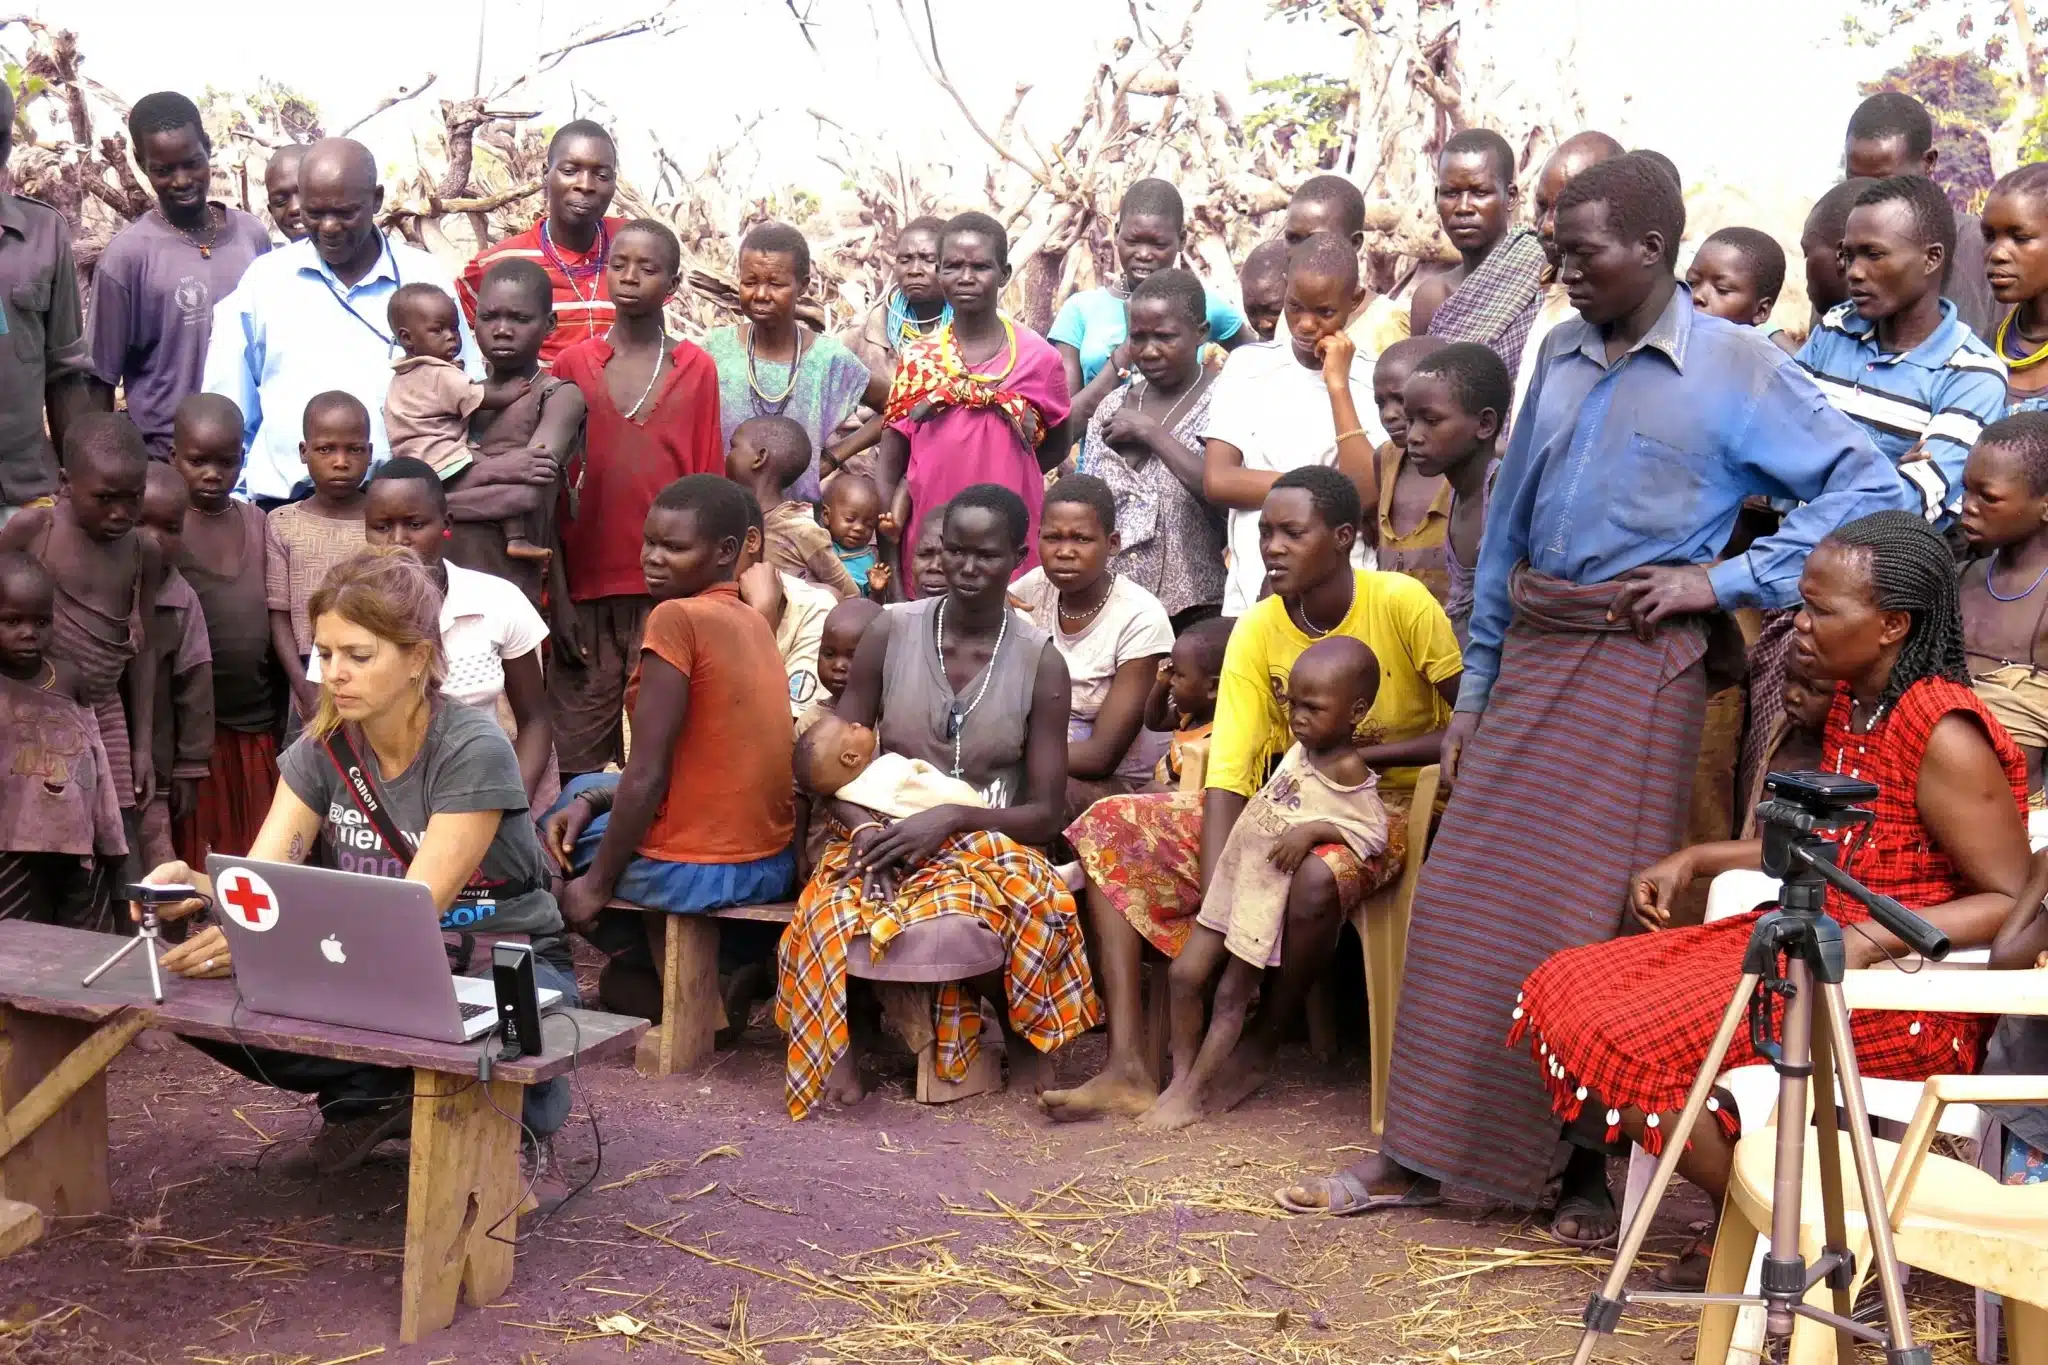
{"points": [[247, 900]]}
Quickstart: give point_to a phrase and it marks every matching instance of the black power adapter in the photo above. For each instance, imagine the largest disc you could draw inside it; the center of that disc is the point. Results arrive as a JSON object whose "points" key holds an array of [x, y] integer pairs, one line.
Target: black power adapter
{"points": [[518, 1000]]}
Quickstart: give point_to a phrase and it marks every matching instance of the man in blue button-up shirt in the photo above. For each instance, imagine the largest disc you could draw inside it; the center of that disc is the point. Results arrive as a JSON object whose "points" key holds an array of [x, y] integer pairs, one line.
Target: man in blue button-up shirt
{"points": [[311, 317], [1646, 426]]}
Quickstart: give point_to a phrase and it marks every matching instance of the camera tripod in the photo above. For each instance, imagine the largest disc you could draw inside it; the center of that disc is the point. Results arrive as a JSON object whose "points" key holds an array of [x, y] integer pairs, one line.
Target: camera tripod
{"points": [[146, 939], [1812, 1046]]}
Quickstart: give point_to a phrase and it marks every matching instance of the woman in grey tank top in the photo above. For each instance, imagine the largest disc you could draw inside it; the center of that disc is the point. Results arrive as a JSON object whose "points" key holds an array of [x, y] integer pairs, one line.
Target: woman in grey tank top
{"points": [[970, 686]]}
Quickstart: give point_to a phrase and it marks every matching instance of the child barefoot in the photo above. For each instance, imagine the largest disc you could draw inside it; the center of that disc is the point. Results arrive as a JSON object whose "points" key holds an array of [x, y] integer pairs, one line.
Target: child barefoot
{"points": [[853, 508], [430, 401], [182, 746], [225, 554], [1456, 403], [315, 535], [60, 824], [1183, 700], [1322, 793], [107, 575]]}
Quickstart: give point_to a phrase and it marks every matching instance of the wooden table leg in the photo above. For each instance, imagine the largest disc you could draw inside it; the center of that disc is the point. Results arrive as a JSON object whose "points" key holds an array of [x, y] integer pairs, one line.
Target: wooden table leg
{"points": [[459, 1219], [60, 1166]]}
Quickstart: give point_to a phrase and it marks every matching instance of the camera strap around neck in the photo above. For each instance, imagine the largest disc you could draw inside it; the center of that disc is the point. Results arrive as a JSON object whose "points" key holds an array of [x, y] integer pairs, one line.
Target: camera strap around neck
{"points": [[364, 792]]}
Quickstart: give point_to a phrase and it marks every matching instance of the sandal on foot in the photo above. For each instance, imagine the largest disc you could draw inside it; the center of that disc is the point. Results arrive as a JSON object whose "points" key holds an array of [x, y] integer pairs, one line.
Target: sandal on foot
{"points": [[1698, 1252], [1345, 1194], [1582, 1207]]}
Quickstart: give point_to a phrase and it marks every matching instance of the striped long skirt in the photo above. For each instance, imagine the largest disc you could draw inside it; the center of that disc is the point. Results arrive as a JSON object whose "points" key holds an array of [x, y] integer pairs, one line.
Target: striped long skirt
{"points": [[1579, 777]]}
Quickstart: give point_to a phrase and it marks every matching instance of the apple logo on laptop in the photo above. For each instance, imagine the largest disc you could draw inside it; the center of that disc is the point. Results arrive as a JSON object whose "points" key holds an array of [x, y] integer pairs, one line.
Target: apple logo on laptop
{"points": [[330, 948]]}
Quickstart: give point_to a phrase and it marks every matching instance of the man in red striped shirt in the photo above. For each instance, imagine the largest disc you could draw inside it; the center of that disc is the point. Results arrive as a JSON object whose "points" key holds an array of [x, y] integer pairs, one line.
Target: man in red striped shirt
{"points": [[570, 243]]}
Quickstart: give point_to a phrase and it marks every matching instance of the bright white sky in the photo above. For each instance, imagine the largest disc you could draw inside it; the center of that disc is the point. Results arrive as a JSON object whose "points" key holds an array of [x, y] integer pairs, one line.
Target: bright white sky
{"points": [[1765, 124]]}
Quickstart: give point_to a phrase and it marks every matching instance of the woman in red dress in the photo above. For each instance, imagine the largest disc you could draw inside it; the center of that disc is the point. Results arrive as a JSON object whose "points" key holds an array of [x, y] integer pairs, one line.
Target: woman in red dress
{"points": [[1622, 1028]]}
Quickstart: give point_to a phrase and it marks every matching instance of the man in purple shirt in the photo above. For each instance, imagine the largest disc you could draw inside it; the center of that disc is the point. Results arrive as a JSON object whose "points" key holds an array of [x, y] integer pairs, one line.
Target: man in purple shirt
{"points": [[157, 281]]}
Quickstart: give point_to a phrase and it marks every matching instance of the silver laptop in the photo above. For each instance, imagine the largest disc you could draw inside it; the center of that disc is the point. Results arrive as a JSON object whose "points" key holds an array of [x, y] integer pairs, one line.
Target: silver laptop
{"points": [[344, 948]]}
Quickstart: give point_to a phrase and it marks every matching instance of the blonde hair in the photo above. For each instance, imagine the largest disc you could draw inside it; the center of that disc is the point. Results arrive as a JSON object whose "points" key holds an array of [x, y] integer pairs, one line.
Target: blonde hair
{"points": [[388, 592]]}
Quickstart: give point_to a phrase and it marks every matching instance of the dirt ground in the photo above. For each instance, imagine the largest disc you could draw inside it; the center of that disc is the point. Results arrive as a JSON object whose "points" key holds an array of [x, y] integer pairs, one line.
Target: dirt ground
{"points": [[718, 1230]]}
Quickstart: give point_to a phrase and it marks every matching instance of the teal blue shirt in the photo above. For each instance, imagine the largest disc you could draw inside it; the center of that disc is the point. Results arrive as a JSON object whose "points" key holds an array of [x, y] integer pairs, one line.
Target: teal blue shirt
{"points": [[1093, 323]]}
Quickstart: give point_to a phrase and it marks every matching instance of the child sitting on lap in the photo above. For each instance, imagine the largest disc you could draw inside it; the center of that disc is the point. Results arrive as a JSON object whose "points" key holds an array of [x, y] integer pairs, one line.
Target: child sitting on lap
{"points": [[1322, 793], [841, 760]]}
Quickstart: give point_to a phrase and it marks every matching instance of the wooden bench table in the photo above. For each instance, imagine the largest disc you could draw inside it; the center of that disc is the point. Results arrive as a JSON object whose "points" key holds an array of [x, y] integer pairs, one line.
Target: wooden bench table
{"points": [[56, 1038]]}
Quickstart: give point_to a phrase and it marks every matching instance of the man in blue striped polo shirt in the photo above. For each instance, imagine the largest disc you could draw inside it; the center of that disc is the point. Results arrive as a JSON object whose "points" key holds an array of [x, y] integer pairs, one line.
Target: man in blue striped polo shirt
{"points": [[1896, 357]]}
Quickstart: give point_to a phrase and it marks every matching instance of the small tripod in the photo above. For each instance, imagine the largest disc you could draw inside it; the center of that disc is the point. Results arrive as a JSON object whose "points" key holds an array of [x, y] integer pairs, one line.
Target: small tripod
{"points": [[145, 939], [1800, 932]]}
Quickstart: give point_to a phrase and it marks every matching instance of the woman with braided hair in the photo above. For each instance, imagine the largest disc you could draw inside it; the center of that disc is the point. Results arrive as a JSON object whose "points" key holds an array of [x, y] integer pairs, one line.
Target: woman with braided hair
{"points": [[1623, 1027]]}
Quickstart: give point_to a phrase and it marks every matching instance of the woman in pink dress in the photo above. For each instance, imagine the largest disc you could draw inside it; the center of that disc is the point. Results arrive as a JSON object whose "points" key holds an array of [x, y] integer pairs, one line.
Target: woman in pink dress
{"points": [[980, 400]]}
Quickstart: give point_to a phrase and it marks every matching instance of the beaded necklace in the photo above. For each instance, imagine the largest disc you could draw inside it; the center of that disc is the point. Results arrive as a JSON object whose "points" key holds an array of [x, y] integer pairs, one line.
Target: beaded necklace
{"points": [[213, 231], [904, 327], [590, 269], [956, 714], [771, 404], [2012, 361], [947, 338]]}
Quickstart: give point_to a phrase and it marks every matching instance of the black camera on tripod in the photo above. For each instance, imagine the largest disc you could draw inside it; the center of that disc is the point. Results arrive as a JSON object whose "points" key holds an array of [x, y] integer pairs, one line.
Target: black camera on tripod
{"points": [[1803, 810]]}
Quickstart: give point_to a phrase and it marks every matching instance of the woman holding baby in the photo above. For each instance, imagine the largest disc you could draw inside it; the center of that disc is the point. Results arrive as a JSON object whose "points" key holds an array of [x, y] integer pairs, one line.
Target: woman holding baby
{"points": [[968, 700]]}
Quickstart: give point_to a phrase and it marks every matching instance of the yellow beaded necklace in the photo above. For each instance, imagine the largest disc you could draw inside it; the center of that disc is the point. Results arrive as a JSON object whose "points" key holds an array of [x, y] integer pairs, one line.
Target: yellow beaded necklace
{"points": [[2013, 362]]}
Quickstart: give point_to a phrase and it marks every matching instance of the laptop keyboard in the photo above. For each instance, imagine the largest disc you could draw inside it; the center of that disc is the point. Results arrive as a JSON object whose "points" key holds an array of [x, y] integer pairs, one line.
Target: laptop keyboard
{"points": [[470, 1012]]}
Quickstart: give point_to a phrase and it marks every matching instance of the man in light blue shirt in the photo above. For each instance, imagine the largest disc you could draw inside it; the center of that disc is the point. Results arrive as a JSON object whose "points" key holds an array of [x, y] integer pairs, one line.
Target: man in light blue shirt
{"points": [[1896, 357], [311, 317], [1585, 688]]}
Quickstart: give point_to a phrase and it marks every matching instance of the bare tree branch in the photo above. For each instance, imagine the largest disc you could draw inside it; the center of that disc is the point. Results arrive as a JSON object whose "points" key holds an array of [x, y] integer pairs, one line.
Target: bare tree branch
{"points": [[658, 21], [803, 23], [945, 82], [391, 101]]}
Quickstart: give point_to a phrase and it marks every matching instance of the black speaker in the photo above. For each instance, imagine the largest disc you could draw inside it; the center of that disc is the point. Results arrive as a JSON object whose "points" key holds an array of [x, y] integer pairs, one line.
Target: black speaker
{"points": [[518, 1000]]}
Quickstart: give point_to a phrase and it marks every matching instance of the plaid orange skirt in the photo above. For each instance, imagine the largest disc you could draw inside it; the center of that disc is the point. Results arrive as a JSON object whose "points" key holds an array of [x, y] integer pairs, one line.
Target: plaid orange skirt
{"points": [[1010, 888], [1144, 852]]}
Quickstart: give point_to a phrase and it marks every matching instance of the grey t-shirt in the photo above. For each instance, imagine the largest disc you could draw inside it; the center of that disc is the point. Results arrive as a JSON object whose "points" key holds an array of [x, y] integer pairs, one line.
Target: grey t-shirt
{"points": [[153, 294], [467, 764]]}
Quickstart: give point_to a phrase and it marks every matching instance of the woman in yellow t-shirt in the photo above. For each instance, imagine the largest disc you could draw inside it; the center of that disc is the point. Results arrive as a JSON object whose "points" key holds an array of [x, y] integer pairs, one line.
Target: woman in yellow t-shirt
{"points": [[1148, 857]]}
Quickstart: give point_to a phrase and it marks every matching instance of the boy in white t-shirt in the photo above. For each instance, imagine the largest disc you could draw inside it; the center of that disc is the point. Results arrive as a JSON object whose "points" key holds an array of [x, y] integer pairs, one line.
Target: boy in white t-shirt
{"points": [[1289, 402], [1111, 632]]}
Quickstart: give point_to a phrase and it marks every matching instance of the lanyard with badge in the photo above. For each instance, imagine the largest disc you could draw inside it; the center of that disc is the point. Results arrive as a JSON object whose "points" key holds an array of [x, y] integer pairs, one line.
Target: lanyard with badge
{"points": [[390, 343]]}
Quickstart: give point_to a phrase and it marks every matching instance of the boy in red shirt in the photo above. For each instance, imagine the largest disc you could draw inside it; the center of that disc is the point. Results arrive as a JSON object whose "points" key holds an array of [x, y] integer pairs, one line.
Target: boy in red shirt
{"points": [[653, 418]]}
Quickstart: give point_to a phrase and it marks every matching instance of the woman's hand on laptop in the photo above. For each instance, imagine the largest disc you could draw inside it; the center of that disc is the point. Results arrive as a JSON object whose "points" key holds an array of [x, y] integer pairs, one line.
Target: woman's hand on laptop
{"points": [[175, 874], [203, 956]]}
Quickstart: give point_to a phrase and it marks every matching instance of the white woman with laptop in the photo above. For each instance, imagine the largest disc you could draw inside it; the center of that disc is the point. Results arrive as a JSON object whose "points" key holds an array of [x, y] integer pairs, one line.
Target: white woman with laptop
{"points": [[394, 781]]}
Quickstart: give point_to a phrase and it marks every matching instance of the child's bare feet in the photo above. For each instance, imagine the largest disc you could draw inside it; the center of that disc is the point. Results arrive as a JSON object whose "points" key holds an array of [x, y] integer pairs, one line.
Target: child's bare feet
{"points": [[1241, 1076], [843, 1087], [1116, 1090], [1180, 1107], [520, 548], [1030, 1070]]}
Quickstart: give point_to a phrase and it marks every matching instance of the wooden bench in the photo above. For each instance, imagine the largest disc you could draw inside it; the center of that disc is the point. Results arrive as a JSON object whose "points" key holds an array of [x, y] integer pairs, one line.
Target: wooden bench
{"points": [[692, 1010], [56, 1038]]}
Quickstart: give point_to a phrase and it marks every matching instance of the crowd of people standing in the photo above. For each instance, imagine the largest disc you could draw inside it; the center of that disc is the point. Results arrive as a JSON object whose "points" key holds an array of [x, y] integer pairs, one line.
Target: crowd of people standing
{"points": [[1056, 652]]}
